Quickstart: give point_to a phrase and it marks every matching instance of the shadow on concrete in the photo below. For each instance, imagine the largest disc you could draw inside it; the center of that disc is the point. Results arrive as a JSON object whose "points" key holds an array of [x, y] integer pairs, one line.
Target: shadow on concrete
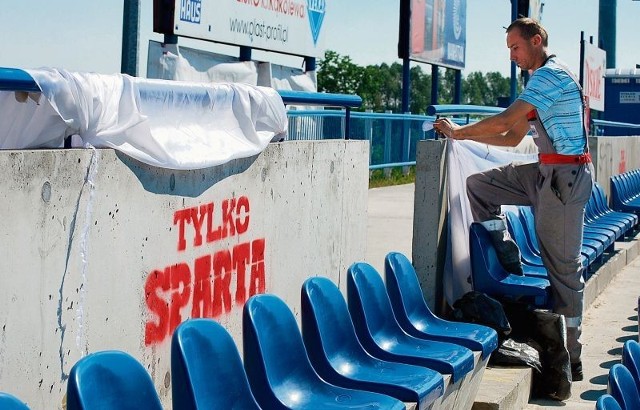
{"points": [[608, 365], [187, 183], [616, 351], [601, 379], [623, 339], [592, 395]]}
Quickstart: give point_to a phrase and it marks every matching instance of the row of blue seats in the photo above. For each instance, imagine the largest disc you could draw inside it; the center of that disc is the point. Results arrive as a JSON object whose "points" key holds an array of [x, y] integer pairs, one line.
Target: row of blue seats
{"points": [[382, 348], [623, 387], [625, 191], [602, 228]]}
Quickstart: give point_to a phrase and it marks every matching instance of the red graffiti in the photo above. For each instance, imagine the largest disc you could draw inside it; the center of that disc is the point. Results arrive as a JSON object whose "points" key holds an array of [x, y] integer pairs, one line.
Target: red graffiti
{"points": [[622, 166], [217, 282], [233, 220]]}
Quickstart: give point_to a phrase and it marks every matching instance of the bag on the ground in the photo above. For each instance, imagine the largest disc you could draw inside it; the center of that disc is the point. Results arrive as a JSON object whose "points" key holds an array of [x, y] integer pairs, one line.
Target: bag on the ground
{"points": [[547, 333], [476, 307], [513, 353], [551, 335]]}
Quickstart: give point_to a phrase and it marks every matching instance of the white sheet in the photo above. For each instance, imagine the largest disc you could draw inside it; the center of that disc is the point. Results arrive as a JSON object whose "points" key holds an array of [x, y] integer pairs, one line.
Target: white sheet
{"points": [[168, 124], [463, 159]]}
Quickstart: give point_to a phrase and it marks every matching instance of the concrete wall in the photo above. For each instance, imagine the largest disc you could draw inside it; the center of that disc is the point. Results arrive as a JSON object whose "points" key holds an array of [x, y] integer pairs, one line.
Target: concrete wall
{"points": [[611, 156], [103, 252]]}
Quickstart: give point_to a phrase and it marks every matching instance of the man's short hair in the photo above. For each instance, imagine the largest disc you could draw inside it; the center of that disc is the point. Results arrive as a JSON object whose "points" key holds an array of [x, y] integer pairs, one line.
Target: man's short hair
{"points": [[528, 28]]}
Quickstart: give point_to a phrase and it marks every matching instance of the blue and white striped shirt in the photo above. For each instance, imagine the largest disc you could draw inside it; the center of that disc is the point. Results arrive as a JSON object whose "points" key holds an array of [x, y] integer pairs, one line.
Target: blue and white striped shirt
{"points": [[557, 99]]}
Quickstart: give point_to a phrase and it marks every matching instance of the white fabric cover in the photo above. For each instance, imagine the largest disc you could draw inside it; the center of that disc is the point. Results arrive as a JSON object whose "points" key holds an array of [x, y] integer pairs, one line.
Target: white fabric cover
{"points": [[167, 124], [465, 158]]}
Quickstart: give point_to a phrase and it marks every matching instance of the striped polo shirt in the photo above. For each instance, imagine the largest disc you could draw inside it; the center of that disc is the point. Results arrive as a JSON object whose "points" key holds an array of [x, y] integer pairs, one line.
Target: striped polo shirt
{"points": [[557, 99]]}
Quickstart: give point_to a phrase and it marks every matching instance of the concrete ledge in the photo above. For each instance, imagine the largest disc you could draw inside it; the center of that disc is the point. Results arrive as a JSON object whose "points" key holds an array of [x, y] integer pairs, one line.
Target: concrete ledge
{"points": [[505, 388]]}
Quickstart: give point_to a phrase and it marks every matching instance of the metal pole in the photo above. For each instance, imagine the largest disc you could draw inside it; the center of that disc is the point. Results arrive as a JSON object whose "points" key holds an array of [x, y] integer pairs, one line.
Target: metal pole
{"points": [[514, 79], [406, 84], [457, 96], [607, 30], [434, 84], [581, 59], [130, 37]]}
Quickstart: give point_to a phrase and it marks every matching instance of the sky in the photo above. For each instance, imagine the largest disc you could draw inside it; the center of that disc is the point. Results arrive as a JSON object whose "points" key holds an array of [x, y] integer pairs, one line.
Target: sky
{"points": [[87, 35]]}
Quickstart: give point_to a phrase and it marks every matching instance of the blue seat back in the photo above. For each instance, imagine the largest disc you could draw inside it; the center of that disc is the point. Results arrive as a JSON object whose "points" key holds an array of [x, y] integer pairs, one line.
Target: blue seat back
{"points": [[110, 380], [607, 402], [631, 359], [10, 402], [206, 369], [623, 388], [405, 291], [365, 288], [529, 224], [327, 329]]}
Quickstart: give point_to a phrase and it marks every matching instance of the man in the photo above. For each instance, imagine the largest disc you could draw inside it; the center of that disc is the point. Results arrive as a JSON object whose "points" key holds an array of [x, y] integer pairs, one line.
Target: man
{"points": [[557, 187]]}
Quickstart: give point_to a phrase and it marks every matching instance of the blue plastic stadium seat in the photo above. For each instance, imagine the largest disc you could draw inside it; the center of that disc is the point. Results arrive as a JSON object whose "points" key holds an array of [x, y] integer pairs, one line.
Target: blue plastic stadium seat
{"points": [[628, 220], [279, 371], [415, 317], [623, 388], [382, 336], [488, 275], [206, 369], [339, 358], [10, 402], [110, 380], [625, 192], [607, 402], [631, 359]]}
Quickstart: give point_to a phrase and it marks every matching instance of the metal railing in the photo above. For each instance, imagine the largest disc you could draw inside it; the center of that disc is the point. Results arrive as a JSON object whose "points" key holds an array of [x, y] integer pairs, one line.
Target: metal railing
{"points": [[392, 137], [600, 126]]}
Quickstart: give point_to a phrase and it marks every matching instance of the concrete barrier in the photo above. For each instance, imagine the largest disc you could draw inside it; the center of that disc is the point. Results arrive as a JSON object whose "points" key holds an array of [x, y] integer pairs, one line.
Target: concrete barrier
{"points": [[103, 252], [613, 156]]}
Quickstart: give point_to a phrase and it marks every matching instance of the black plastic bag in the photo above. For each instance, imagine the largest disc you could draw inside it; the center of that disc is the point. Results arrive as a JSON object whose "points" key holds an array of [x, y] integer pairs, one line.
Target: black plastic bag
{"points": [[514, 353], [476, 307], [551, 335], [547, 333]]}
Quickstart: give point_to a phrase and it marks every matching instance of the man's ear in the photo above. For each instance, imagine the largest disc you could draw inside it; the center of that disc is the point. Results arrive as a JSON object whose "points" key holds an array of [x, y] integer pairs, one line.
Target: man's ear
{"points": [[536, 40]]}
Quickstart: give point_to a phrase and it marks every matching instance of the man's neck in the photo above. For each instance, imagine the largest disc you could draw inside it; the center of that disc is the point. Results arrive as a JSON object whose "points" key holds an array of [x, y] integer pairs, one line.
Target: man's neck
{"points": [[542, 60]]}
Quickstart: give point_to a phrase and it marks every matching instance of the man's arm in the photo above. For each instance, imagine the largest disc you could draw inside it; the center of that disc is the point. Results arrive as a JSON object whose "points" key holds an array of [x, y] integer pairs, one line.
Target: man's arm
{"points": [[504, 129]]}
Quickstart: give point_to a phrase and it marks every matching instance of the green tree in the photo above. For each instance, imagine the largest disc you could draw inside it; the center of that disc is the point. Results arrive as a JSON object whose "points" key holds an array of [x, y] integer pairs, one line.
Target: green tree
{"points": [[338, 74]]}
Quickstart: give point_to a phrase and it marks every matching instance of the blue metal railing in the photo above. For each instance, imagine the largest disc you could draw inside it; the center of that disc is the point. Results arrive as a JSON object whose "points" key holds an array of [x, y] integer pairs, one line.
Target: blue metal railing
{"points": [[345, 101], [599, 126], [392, 137]]}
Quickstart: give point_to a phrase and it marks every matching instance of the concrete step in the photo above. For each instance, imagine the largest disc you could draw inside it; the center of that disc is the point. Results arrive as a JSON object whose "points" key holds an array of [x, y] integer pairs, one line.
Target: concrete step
{"points": [[504, 388]]}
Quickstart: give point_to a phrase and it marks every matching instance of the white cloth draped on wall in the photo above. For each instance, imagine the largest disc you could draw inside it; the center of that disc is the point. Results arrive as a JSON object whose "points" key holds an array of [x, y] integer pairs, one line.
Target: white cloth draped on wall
{"points": [[465, 158], [168, 124]]}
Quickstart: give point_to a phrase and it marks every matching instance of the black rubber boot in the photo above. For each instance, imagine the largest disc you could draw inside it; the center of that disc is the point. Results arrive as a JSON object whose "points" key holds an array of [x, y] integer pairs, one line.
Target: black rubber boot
{"points": [[507, 251]]}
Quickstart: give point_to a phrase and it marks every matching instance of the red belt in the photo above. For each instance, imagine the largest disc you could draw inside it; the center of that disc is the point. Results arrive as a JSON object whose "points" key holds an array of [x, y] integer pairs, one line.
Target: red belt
{"points": [[558, 159]]}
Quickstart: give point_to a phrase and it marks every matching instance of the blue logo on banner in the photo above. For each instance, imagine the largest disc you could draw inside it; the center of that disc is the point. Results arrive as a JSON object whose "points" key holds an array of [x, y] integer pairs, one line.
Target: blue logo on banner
{"points": [[190, 10], [316, 9]]}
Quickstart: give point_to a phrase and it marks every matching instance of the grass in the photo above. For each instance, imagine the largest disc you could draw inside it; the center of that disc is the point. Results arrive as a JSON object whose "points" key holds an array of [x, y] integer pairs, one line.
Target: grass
{"points": [[377, 178]]}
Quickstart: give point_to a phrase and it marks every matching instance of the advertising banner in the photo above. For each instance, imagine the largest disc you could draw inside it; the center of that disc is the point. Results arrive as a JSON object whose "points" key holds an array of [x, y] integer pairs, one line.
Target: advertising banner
{"points": [[438, 32], [595, 64], [285, 26]]}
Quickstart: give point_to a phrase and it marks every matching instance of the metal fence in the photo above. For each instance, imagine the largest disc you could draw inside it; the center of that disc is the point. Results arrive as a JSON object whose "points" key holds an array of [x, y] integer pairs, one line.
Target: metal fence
{"points": [[392, 137]]}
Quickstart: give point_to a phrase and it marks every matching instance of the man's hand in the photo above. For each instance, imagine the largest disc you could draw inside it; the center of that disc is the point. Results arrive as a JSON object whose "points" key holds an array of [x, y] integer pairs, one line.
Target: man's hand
{"points": [[445, 127]]}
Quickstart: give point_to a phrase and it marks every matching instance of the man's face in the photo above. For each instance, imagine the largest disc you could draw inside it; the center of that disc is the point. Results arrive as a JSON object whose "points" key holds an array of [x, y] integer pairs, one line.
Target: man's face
{"points": [[521, 51]]}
